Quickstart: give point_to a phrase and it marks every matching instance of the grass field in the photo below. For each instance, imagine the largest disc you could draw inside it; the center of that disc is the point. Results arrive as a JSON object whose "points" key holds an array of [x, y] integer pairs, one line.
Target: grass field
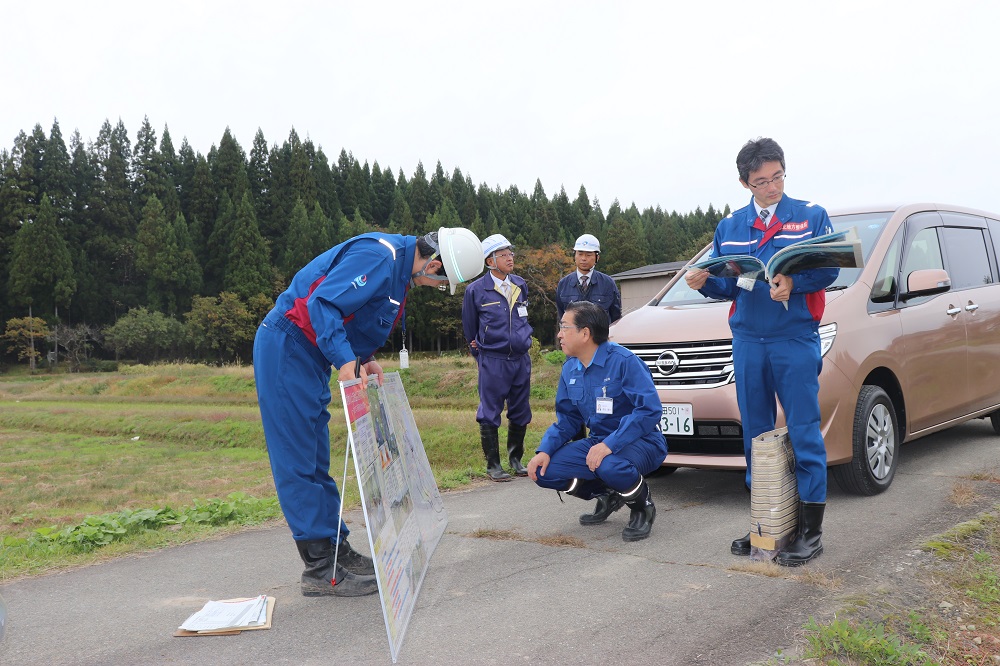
{"points": [[77, 450]]}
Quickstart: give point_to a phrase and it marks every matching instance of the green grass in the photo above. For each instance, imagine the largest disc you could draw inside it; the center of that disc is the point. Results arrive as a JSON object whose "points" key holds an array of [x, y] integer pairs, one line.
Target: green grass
{"points": [[964, 632], [78, 450]]}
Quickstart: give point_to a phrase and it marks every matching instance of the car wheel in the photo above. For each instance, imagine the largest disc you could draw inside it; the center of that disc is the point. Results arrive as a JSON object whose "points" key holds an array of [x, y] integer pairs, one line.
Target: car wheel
{"points": [[876, 445], [660, 471], [995, 420]]}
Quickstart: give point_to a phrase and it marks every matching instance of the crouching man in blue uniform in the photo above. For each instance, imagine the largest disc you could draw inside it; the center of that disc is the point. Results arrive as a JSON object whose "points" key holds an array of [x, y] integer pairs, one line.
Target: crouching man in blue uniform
{"points": [[495, 322], [607, 388], [776, 345], [340, 308]]}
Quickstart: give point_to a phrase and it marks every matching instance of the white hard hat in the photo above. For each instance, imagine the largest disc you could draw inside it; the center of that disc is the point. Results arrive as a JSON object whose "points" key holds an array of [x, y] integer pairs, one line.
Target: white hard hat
{"points": [[462, 254], [587, 243], [495, 243]]}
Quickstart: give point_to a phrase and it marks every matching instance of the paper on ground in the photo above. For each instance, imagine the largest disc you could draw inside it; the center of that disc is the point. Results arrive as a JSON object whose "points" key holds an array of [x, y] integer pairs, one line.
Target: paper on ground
{"points": [[232, 614]]}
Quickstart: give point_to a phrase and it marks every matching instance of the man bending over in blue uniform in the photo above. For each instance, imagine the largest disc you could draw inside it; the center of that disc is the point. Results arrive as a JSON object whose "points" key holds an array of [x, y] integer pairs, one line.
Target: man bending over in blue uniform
{"points": [[607, 388], [776, 346], [341, 307]]}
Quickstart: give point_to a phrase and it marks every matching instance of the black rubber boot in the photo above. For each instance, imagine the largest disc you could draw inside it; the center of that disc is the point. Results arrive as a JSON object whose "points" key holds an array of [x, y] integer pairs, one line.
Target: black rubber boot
{"points": [[806, 545], [515, 448], [741, 546], [321, 578], [640, 522], [354, 561], [491, 448], [606, 505]]}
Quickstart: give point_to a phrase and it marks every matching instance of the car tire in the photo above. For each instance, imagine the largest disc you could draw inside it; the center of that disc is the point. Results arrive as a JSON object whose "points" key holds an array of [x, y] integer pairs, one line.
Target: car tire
{"points": [[995, 420], [876, 445], [660, 471]]}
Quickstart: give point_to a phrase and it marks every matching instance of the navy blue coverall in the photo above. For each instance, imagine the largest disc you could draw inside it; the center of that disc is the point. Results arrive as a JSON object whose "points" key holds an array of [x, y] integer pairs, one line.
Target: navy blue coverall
{"points": [[631, 429], [503, 340], [777, 350], [341, 305]]}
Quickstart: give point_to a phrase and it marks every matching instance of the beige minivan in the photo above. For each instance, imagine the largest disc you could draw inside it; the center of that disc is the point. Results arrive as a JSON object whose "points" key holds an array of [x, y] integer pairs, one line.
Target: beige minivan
{"points": [[910, 342]]}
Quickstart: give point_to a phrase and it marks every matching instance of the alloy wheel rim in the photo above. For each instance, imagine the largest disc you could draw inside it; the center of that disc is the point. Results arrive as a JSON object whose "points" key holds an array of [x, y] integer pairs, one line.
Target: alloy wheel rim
{"points": [[881, 442]]}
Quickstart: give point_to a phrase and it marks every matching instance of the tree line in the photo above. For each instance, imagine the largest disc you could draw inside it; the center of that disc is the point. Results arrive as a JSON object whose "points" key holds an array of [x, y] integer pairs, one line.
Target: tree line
{"points": [[114, 248]]}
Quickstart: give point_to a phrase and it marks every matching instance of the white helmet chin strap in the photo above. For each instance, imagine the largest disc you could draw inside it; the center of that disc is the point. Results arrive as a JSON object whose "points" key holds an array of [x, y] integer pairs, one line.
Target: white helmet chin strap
{"points": [[496, 266], [423, 273]]}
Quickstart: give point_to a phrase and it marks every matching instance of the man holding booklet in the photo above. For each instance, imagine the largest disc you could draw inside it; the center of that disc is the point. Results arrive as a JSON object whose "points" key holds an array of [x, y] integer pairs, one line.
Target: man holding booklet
{"points": [[775, 325]]}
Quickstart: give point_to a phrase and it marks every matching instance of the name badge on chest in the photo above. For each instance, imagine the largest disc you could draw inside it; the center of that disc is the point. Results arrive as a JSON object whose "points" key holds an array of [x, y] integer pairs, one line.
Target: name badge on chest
{"points": [[746, 281], [522, 311], [605, 405]]}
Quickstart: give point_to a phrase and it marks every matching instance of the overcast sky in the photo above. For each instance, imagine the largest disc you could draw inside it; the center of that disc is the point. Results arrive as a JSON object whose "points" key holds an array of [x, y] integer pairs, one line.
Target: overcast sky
{"points": [[646, 102]]}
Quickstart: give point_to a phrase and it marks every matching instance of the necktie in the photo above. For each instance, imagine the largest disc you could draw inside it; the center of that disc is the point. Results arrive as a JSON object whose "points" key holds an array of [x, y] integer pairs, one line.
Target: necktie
{"points": [[584, 281], [506, 292], [764, 214]]}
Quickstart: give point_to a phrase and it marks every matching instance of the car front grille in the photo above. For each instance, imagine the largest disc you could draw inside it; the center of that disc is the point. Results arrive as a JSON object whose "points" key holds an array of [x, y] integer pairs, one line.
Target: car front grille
{"points": [[688, 364]]}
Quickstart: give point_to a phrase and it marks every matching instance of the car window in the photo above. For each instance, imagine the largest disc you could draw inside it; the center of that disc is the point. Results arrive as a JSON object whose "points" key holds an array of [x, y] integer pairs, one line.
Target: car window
{"points": [[995, 233], [968, 262], [923, 250], [884, 291]]}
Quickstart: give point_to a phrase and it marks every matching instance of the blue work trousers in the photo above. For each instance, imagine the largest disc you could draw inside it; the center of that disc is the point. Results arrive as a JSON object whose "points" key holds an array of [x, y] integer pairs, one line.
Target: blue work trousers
{"points": [[790, 369], [503, 379], [293, 390], [620, 471]]}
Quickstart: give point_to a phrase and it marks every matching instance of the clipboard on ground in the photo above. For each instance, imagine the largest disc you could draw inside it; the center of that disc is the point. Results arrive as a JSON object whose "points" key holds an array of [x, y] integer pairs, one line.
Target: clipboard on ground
{"points": [[232, 632]]}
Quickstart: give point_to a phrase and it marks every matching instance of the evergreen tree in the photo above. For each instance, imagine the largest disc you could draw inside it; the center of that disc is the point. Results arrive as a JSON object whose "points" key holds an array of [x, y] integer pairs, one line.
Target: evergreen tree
{"points": [[248, 270], [418, 197], [624, 247], [155, 255], [109, 245], [187, 271], [229, 168], [202, 209], [41, 271], [382, 195], [307, 236], [357, 189], [259, 176], [55, 176], [401, 220], [217, 250], [326, 186]]}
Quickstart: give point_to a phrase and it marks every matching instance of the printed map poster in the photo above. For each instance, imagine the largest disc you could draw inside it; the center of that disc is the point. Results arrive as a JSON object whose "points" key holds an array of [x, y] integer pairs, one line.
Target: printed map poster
{"points": [[403, 508]]}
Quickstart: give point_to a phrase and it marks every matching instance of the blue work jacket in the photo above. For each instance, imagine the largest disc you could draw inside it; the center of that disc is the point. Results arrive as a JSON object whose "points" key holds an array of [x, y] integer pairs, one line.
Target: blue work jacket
{"points": [[602, 291], [347, 300], [616, 373], [754, 316], [487, 318]]}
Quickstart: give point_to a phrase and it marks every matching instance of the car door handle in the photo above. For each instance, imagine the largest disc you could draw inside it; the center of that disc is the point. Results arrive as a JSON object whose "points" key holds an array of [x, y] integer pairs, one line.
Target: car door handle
{"points": [[972, 307], [952, 311]]}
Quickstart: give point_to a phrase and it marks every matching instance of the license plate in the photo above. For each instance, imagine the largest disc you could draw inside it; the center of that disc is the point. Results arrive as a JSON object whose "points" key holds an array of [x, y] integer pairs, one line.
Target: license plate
{"points": [[677, 419]]}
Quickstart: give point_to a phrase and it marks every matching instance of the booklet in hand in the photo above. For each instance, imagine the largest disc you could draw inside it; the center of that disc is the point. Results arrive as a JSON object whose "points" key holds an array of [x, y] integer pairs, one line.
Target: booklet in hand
{"points": [[841, 249]]}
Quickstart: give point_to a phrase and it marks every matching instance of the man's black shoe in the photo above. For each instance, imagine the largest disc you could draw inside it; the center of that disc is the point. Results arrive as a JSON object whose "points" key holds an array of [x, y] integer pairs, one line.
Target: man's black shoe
{"points": [[346, 585]]}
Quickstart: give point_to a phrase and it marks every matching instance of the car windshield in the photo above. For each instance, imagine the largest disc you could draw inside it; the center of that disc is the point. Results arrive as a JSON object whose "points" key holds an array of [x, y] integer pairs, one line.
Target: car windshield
{"points": [[868, 225]]}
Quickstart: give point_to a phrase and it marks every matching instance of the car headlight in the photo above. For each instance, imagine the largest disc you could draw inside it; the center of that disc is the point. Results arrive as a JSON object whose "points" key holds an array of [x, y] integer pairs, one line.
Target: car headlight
{"points": [[827, 334]]}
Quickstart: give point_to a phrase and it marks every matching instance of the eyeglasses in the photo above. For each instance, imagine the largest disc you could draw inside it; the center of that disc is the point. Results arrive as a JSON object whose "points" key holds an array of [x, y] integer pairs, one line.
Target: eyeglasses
{"points": [[504, 255], [563, 327], [764, 183]]}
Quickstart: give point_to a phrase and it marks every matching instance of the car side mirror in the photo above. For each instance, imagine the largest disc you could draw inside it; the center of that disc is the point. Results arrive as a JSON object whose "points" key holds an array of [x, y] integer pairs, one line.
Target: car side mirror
{"points": [[927, 282]]}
